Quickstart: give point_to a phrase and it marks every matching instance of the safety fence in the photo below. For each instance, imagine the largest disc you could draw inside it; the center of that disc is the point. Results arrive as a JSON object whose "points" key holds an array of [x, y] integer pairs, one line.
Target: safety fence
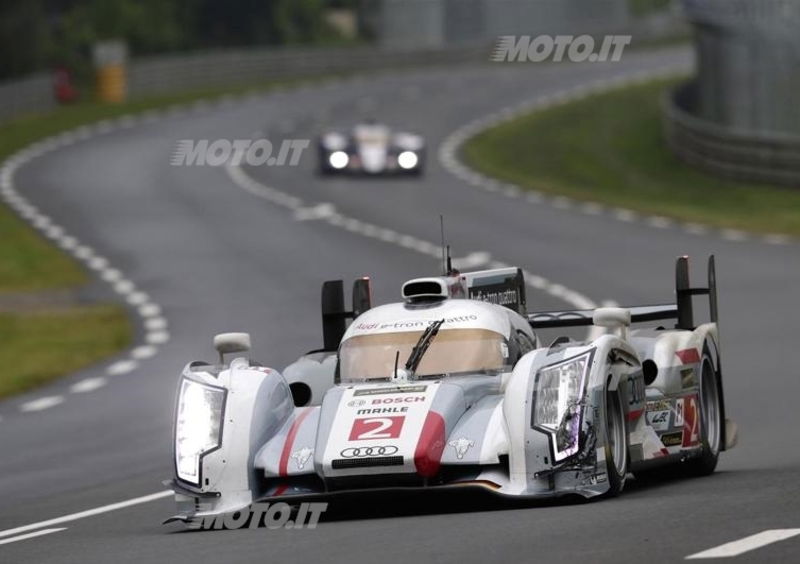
{"points": [[231, 67], [194, 71], [737, 153], [31, 94]]}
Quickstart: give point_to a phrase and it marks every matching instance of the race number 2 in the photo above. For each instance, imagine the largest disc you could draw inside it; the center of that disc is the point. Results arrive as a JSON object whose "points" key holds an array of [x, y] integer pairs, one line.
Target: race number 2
{"points": [[370, 428], [691, 424]]}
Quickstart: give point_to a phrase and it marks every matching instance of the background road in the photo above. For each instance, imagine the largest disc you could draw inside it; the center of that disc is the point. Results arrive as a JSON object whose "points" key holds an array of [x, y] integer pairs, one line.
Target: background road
{"points": [[217, 258]]}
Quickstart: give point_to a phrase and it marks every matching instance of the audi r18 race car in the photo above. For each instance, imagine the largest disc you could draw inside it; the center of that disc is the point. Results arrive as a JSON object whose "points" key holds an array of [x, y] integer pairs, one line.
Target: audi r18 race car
{"points": [[452, 386], [371, 148]]}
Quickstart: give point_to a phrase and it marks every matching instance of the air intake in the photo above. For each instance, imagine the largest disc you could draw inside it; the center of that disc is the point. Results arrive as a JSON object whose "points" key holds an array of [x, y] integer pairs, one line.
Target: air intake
{"points": [[425, 289], [345, 463]]}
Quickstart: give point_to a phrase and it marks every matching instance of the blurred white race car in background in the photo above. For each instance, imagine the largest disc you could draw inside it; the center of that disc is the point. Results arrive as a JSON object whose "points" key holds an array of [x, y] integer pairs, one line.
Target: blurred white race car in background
{"points": [[371, 148]]}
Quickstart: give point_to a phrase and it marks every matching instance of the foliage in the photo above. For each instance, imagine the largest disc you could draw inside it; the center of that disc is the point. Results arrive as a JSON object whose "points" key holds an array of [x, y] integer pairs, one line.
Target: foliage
{"points": [[40, 34]]}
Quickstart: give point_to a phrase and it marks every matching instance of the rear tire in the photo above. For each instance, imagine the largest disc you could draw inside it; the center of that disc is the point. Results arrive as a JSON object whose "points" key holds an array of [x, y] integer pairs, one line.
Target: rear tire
{"points": [[710, 422], [616, 448]]}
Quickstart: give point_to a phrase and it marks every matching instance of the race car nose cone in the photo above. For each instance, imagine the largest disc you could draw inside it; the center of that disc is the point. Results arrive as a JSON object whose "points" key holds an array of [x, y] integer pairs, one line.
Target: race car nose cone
{"points": [[384, 429], [428, 453], [373, 159]]}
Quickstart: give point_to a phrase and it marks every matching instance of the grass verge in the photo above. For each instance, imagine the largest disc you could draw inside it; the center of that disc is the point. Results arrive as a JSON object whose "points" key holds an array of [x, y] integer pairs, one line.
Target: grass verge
{"points": [[40, 347], [609, 148]]}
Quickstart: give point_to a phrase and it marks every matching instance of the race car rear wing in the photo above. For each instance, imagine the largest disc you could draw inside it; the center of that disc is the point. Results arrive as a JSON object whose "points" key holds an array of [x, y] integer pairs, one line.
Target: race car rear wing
{"points": [[501, 286], [682, 310], [334, 314]]}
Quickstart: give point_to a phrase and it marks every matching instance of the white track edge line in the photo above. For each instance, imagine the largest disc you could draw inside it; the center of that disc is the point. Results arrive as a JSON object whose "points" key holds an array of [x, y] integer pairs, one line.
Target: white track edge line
{"points": [[746, 544], [87, 513], [32, 535]]}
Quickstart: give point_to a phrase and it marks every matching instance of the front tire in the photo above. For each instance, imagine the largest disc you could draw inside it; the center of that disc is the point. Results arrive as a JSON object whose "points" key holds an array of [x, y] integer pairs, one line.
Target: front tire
{"points": [[616, 448]]}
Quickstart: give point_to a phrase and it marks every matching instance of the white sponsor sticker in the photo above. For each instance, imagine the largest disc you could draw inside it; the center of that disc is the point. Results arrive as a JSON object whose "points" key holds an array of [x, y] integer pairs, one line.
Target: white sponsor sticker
{"points": [[658, 420], [468, 321], [392, 418], [679, 412]]}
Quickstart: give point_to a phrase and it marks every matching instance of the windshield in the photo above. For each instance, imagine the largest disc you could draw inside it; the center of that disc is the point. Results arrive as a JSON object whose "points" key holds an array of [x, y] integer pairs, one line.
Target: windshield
{"points": [[371, 134], [372, 357]]}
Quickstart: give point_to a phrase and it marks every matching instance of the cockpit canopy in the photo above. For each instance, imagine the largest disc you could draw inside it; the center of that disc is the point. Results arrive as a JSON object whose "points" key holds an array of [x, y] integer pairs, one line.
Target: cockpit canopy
{"points": [[371, 357]]}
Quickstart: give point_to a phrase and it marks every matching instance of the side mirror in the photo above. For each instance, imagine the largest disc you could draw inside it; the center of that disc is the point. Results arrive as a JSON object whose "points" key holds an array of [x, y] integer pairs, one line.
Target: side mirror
{"points": [[227, 343], [613, 318]]}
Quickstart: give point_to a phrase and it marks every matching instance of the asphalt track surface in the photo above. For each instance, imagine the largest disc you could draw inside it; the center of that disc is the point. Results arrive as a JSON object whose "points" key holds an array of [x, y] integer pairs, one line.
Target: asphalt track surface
{"points": [[217, 257]]}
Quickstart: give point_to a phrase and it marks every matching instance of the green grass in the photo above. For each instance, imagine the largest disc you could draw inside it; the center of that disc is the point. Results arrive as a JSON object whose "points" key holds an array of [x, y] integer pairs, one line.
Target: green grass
{"points": [[39, 347], [28, 262], [609, 148]]}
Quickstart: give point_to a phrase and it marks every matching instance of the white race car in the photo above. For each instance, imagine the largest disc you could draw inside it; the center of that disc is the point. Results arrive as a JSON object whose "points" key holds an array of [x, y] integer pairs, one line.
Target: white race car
{"points": [[453, 387], [371, 148]]}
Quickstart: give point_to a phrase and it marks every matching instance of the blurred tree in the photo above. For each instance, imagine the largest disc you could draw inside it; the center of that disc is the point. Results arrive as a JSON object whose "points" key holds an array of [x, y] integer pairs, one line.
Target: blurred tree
{"points": [[254, 22], [348, 4], [35, 34], [148, 26], [23, 37], [642, 7], [298, 21]]}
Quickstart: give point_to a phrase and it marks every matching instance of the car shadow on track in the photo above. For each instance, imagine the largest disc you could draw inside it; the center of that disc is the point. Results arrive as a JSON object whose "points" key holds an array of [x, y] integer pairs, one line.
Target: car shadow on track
{"points": [[406, 504], [373, 505], [388, 504]]}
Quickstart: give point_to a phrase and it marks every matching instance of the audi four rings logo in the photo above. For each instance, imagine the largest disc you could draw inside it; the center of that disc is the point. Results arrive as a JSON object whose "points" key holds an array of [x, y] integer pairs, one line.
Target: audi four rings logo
{"points": [[365, 452]]}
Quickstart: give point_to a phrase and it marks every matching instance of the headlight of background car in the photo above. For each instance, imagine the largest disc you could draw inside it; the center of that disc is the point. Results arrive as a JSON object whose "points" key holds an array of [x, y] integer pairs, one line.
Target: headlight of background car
{"points": [[338, 159], [558, 402], [198, 427], [407, 160]]}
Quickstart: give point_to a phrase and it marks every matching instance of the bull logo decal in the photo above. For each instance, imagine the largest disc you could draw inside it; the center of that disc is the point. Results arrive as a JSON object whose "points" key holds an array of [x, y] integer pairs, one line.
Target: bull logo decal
{"points": [[461, 446], [301, 457]]}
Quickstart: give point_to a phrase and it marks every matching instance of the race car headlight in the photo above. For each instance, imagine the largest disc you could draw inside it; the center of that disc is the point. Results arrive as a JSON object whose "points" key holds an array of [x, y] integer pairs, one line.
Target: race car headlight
{"points": [[558, 402], [198, 427], [338, 159], [407, 159]]}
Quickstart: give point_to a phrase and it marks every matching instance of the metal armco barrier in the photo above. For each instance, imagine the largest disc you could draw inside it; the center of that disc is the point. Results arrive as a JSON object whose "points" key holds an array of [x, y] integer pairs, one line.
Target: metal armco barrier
{"points": [[741, 114], [175, 73], [727, 151]]}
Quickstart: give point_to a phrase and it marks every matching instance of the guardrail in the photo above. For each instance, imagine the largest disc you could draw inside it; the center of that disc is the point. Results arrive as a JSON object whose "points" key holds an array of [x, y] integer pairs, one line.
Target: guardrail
{"points": [[215, 68], [31, 94], [173, 73], [736, 153]]}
